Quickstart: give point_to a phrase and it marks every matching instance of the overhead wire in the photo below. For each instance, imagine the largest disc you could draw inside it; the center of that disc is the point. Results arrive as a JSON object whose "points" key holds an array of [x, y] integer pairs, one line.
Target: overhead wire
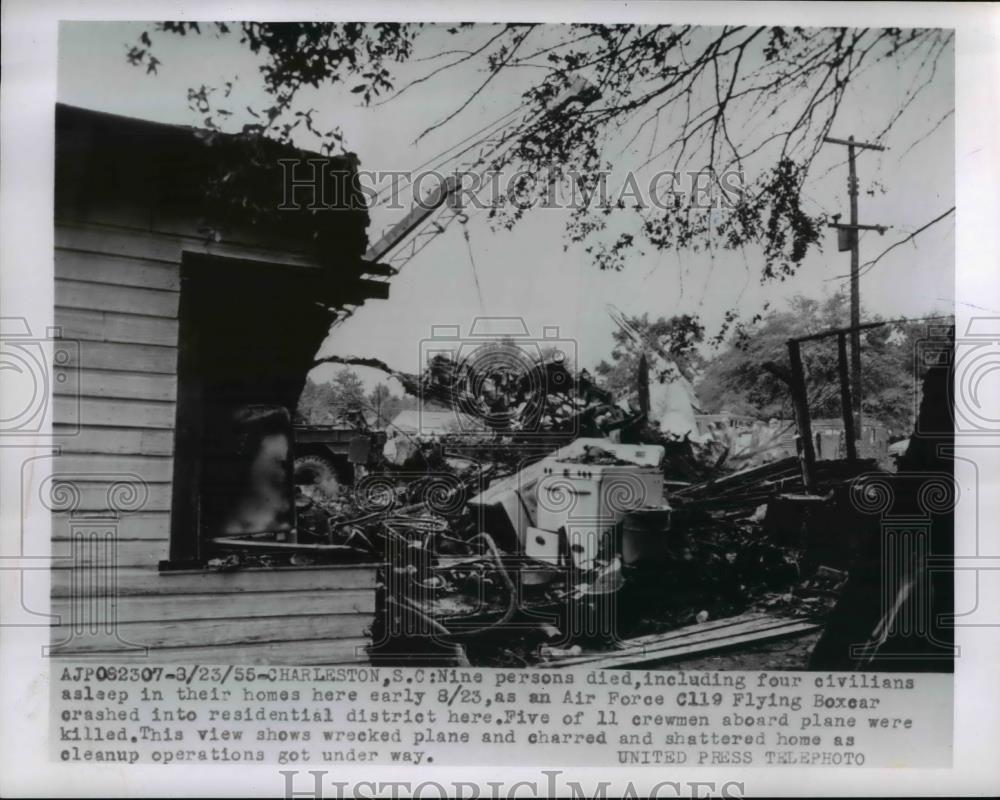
{"points": [[446, 155], [464, 219]]}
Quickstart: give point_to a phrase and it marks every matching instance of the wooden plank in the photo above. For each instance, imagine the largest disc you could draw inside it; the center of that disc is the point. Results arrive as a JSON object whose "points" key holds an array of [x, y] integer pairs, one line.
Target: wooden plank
{"points": [[153, 469], [127, 553], [692, 634], [742, 622], [123, 357], [107, 326], [122, 385], [192, 633], [738, 481], [308, 653], [172, 238], [92, 494], [800, 405], [128, 204], [111, 240], [241, 239], [126, 441], [756, 637], [238, 248], [375, 268], [140, 525], [685, 646], [327, 577], [115, 413], [846, 401], [129, 299], [157, 608], [116, 269]]}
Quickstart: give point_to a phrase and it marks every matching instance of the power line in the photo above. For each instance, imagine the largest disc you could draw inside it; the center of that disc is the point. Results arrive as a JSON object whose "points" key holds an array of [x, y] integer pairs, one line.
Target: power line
{"points": [[443, 157], [869, 264], [472, 260]]}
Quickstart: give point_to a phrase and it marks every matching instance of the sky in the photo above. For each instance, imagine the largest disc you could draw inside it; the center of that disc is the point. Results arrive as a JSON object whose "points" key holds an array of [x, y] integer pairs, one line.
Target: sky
{"points": [[529, 272]]}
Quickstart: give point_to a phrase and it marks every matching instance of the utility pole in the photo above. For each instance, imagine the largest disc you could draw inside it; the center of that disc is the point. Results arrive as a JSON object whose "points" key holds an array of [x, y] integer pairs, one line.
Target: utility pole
{"points": [[847, 239]]}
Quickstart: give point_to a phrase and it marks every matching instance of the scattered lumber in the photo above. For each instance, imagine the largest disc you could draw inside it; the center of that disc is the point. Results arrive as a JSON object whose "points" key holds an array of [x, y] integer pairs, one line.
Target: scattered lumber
{"points": [[756, 485], [747, 629]]}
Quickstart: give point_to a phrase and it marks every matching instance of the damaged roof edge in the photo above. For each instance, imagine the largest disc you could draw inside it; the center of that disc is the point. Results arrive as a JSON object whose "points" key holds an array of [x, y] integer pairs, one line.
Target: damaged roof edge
{"points": [[210, 184]]}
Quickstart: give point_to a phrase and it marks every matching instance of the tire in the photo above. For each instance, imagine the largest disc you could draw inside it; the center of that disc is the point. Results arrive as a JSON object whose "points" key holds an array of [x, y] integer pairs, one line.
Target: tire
{"points": [[318, 476]]}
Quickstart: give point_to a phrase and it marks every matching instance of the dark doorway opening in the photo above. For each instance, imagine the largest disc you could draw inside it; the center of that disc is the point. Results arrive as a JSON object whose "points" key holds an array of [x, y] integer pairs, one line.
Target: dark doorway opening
{"points": [[249, 332]]}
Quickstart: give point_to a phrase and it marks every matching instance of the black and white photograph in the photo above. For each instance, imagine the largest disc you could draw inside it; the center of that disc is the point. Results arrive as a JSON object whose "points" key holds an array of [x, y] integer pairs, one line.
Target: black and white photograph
{"points": [[507, 345], [506, 392]]}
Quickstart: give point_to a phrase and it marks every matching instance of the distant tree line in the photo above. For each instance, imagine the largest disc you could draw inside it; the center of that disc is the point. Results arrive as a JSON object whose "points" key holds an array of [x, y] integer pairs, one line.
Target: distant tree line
{"points": [[325, 403], [732, 376], [736, 380]]}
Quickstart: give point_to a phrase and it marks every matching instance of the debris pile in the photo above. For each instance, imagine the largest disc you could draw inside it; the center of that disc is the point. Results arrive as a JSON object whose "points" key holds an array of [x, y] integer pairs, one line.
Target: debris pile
{"points": [[562, 526], [472, 550], [749, 488], [527, 407]]}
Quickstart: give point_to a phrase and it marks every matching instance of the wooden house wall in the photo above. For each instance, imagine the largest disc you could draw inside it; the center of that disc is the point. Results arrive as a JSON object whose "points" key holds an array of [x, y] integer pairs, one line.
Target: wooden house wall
{"points": [[117, 289]]}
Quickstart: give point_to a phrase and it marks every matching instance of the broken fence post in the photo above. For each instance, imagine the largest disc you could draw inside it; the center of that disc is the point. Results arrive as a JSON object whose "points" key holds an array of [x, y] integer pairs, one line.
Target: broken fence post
{"points": [[807, 455], [846, 405]]}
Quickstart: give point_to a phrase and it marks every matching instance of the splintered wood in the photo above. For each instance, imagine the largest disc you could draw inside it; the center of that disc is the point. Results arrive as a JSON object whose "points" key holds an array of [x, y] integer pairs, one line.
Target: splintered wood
{"points": [[710, 636]]}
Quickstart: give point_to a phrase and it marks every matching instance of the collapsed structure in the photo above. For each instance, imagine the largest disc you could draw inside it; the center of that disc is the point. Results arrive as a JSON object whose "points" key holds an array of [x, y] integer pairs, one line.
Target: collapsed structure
{"points": [[560, 528]]}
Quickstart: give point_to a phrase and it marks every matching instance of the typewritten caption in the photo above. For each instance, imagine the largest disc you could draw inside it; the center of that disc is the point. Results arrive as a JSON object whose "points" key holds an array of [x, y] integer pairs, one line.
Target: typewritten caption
{"points": [[327, 715]]}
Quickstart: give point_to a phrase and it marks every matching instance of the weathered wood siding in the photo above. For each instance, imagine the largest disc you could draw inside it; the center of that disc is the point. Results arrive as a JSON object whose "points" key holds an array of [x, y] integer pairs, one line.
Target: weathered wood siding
{"points": [[117, 291], [116, 297]]}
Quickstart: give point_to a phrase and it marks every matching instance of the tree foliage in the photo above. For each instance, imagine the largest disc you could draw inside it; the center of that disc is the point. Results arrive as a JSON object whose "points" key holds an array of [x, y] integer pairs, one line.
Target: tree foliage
{"points": [[295, 55], [677, 337], [326, 403], [738, 381], [757, 100], [383, 405]]}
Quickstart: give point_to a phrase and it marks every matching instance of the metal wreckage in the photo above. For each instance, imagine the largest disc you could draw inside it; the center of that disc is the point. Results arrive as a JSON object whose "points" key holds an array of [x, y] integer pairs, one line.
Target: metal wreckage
{"points": [[555, 525], [552, 527]]}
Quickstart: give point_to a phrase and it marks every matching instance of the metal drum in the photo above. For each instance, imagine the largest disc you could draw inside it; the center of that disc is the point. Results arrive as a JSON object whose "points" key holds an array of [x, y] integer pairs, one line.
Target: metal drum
{"points": [[645, 534]]}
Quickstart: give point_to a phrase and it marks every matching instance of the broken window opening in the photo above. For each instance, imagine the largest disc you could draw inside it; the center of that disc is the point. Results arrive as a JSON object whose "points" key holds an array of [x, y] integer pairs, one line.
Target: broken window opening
{"points": [[248, 334]]}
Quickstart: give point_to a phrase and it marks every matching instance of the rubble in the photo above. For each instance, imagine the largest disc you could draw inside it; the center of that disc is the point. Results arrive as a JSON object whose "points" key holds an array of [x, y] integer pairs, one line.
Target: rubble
{"points": [[462, 565], [565, 523], [537, 406]]}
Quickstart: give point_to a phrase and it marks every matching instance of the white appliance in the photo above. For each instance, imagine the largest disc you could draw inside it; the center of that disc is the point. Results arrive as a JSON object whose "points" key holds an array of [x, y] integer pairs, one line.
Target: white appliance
{"points": [[543, 545], [586, 500]]}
